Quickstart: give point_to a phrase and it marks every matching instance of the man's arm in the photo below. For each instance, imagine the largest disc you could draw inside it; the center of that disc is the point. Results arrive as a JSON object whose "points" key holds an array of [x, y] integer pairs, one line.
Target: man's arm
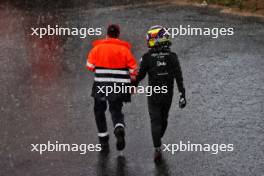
{"points": [[178, 74], [90, 61], [179, 80], [132, 65], [142, 70]]}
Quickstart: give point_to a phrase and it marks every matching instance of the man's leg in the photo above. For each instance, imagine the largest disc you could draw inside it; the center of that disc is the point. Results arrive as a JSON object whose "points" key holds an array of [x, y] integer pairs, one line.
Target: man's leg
{"points": [[155, 113], [165, 115], [99, 112], [115, 108]]}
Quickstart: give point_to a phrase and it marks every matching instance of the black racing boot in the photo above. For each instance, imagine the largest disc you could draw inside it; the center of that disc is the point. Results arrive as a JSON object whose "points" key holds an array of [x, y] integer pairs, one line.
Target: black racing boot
{"points": [[120, 138], [105, 145], [157, 155]]}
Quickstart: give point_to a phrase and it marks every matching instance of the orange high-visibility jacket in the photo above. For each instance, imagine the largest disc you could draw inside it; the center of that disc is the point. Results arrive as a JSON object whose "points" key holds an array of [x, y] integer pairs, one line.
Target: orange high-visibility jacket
{"points": [[112, 53]]}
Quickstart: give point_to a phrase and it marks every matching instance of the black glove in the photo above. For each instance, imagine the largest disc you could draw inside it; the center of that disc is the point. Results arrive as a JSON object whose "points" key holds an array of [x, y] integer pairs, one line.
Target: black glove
{"points": [[182, 101]]}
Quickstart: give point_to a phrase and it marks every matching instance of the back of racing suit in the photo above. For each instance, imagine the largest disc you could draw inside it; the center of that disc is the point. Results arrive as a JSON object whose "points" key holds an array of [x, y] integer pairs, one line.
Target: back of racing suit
{"points": [[162, 67]]}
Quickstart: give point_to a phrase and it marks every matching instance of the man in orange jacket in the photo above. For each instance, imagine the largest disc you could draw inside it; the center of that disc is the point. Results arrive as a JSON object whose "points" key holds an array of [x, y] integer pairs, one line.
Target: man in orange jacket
{"points": [[114, 65]]}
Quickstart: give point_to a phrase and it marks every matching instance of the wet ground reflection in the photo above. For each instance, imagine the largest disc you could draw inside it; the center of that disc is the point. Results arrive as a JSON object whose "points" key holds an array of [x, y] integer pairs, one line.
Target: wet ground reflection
{"points": [[162, 169], [121, 166], [104, 166]]}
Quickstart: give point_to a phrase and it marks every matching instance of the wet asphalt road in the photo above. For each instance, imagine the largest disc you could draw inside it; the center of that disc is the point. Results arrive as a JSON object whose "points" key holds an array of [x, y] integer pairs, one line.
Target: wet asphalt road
{"points": [[45, 94]]}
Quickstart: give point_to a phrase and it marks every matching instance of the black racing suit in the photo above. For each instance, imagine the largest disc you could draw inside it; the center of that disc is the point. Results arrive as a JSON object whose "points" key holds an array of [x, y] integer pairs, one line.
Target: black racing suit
{"points": [[162, 67]]}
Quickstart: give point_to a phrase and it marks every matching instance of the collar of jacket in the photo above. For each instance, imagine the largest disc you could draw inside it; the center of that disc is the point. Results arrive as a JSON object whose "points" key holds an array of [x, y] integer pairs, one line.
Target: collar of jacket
{"points": [[160, 49], [112, 41]]}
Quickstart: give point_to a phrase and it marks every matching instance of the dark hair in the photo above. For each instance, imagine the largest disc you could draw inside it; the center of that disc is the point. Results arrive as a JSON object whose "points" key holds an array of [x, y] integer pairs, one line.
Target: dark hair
{"points": [[113, 31]]}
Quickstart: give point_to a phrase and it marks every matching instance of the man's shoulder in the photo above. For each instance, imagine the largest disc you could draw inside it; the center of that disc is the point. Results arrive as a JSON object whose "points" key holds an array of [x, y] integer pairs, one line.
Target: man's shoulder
{"points": [[146, 55], [112, 41], [173, 54]]}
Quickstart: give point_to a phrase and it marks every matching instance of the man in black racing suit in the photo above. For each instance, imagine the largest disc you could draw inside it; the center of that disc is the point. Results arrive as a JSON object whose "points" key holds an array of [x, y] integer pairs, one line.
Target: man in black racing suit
{"points": [[162, 67]]}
